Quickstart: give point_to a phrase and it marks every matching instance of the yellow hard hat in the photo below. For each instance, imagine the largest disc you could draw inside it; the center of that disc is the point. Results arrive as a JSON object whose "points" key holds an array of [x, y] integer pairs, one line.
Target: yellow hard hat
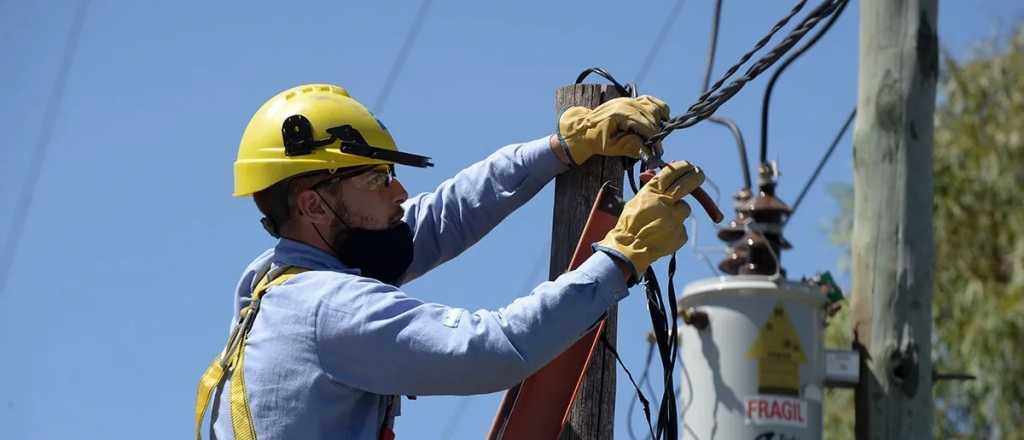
{"points": [[309, 128]]}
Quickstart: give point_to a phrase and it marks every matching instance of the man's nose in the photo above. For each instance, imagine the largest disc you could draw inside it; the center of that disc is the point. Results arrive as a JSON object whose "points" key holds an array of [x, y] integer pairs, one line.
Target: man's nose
{"points": [[398, 194]]}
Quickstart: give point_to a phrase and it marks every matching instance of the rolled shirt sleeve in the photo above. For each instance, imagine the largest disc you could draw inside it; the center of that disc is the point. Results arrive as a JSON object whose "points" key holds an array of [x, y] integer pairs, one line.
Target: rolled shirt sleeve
{"points": [[374, 337]]}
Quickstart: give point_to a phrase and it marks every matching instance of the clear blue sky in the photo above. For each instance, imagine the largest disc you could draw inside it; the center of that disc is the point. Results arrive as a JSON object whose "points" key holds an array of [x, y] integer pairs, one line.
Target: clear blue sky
{"points": [[120, 291]]}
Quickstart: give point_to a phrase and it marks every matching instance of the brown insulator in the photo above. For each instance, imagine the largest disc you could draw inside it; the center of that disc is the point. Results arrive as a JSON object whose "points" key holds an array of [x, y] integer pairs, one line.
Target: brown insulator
{"points": [[761, 259], [732, 231], [734, 259]]}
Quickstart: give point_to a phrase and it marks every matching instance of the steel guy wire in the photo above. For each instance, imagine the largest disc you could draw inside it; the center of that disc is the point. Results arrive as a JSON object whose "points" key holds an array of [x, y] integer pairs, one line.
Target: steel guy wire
{"points": [[35, 167], [782, 68], [403, 53], [821, 163]]}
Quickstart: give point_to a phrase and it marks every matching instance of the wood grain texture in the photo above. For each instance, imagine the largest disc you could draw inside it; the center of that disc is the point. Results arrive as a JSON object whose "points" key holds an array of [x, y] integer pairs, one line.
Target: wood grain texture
{"points": [[593, 414], [893, 250]]}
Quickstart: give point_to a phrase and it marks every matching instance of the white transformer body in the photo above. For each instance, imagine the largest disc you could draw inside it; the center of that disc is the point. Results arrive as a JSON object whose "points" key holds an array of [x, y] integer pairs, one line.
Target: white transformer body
{"points": [[757, 371]]}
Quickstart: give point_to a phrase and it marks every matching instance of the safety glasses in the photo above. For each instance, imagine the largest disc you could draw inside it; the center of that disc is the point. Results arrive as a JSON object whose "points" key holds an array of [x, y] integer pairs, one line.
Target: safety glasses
{"points": [[366, 178]]}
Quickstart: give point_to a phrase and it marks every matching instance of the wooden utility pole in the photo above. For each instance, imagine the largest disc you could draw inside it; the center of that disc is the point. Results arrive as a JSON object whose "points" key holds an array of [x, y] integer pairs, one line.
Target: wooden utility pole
{"points": [[593, 413], [893, 251]]}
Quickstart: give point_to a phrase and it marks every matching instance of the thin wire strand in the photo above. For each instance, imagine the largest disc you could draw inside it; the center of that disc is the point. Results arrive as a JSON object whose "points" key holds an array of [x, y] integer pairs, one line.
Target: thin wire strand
{"points": [[652, 53], [821, 163], [639, 393], [403, 53], [22, 210]]}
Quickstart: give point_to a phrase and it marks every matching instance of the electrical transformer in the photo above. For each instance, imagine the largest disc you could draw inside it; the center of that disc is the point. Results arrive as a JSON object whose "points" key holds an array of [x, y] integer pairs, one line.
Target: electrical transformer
{"points": [[755, 367]]}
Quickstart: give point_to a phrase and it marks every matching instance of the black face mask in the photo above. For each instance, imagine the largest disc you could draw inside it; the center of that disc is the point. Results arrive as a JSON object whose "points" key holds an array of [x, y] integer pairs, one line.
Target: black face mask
{"points": [[383, 255]]}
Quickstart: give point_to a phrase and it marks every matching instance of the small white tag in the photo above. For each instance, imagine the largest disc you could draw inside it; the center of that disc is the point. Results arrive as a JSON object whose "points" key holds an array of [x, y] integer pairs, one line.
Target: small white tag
{"points": [[452, 318]]}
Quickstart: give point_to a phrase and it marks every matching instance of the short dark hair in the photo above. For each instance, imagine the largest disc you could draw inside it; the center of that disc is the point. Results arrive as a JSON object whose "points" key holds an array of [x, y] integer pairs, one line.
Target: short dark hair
{"points": [[277, 202]]}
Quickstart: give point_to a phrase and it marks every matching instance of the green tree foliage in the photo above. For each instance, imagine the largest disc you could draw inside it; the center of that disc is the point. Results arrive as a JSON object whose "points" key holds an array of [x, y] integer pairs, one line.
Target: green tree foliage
{"points": [[979, 234]]}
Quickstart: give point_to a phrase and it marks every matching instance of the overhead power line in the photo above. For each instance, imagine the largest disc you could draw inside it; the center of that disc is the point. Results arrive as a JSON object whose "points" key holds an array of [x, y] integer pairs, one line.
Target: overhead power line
{"points": [[716, 17], [666, 26], [403, 53], [35, 166], [821, 163]]}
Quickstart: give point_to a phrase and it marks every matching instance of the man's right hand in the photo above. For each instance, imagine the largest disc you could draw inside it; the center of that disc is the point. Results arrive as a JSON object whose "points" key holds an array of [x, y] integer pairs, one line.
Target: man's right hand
{"points": [[651, 224]]}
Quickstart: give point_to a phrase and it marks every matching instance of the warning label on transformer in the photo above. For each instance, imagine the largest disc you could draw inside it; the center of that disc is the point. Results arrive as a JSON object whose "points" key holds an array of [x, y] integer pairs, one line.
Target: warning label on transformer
{"points": [[776, 410], [779, 355]]}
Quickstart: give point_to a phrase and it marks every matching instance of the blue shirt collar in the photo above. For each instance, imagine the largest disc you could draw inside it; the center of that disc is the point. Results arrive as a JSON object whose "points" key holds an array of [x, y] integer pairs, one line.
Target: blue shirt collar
{"points": [[296, 253]]}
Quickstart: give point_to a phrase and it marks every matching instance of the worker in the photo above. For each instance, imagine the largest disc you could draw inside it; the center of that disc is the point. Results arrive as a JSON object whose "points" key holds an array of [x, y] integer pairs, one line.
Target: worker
{"points": [[325, 341]]}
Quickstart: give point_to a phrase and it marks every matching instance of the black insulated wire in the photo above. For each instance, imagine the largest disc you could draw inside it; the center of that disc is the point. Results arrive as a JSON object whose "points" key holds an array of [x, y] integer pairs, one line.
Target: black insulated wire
{"points": [[623, 90], [740, 145], [782, 68], [716, 18]]}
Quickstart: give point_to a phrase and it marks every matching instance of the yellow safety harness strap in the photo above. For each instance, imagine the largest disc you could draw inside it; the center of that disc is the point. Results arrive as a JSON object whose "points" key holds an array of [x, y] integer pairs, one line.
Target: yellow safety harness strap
{"points": [[232, 358]]}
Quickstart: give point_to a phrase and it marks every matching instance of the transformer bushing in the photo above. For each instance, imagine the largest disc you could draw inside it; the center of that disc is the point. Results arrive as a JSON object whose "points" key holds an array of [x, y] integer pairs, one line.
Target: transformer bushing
{"points": [[755, 235]]}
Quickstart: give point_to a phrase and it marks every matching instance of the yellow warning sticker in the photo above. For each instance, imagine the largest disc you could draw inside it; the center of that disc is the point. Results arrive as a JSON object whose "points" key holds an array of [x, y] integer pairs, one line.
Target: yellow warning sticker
{"points": [[779, 355]]}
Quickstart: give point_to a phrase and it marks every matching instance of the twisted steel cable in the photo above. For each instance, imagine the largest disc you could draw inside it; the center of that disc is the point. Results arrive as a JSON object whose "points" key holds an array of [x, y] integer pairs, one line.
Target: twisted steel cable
{"points": [[711, 100]]}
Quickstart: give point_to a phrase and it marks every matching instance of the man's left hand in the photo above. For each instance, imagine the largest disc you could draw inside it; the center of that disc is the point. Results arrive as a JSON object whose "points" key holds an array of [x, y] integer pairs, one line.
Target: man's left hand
{"points": [[616, 128]]}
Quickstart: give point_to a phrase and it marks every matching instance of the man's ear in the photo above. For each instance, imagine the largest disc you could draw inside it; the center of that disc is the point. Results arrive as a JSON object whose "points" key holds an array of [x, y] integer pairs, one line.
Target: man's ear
{"points": [[310, 206]]}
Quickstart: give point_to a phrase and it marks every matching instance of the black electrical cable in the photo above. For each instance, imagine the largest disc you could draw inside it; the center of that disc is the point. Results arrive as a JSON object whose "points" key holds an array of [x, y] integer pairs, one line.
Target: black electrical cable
{"points": [[741, 146], [716, 18], [19, 214], [623, 90], [821, 163], [403, 53], [665, 339], [782, 68]]}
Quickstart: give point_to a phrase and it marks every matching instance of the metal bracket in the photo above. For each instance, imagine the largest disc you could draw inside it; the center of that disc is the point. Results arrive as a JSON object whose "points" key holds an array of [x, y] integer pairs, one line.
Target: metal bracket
{"points": [[842, 368]]}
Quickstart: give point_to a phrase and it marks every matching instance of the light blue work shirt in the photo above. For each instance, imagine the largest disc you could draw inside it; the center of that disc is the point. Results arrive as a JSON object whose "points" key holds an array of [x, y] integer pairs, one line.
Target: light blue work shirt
{"points": [[329, 348]]}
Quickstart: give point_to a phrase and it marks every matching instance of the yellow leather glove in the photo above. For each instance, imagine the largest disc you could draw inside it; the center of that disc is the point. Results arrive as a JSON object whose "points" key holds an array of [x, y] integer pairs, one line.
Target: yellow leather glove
{"points": [[615, 128], [651, 224]]}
